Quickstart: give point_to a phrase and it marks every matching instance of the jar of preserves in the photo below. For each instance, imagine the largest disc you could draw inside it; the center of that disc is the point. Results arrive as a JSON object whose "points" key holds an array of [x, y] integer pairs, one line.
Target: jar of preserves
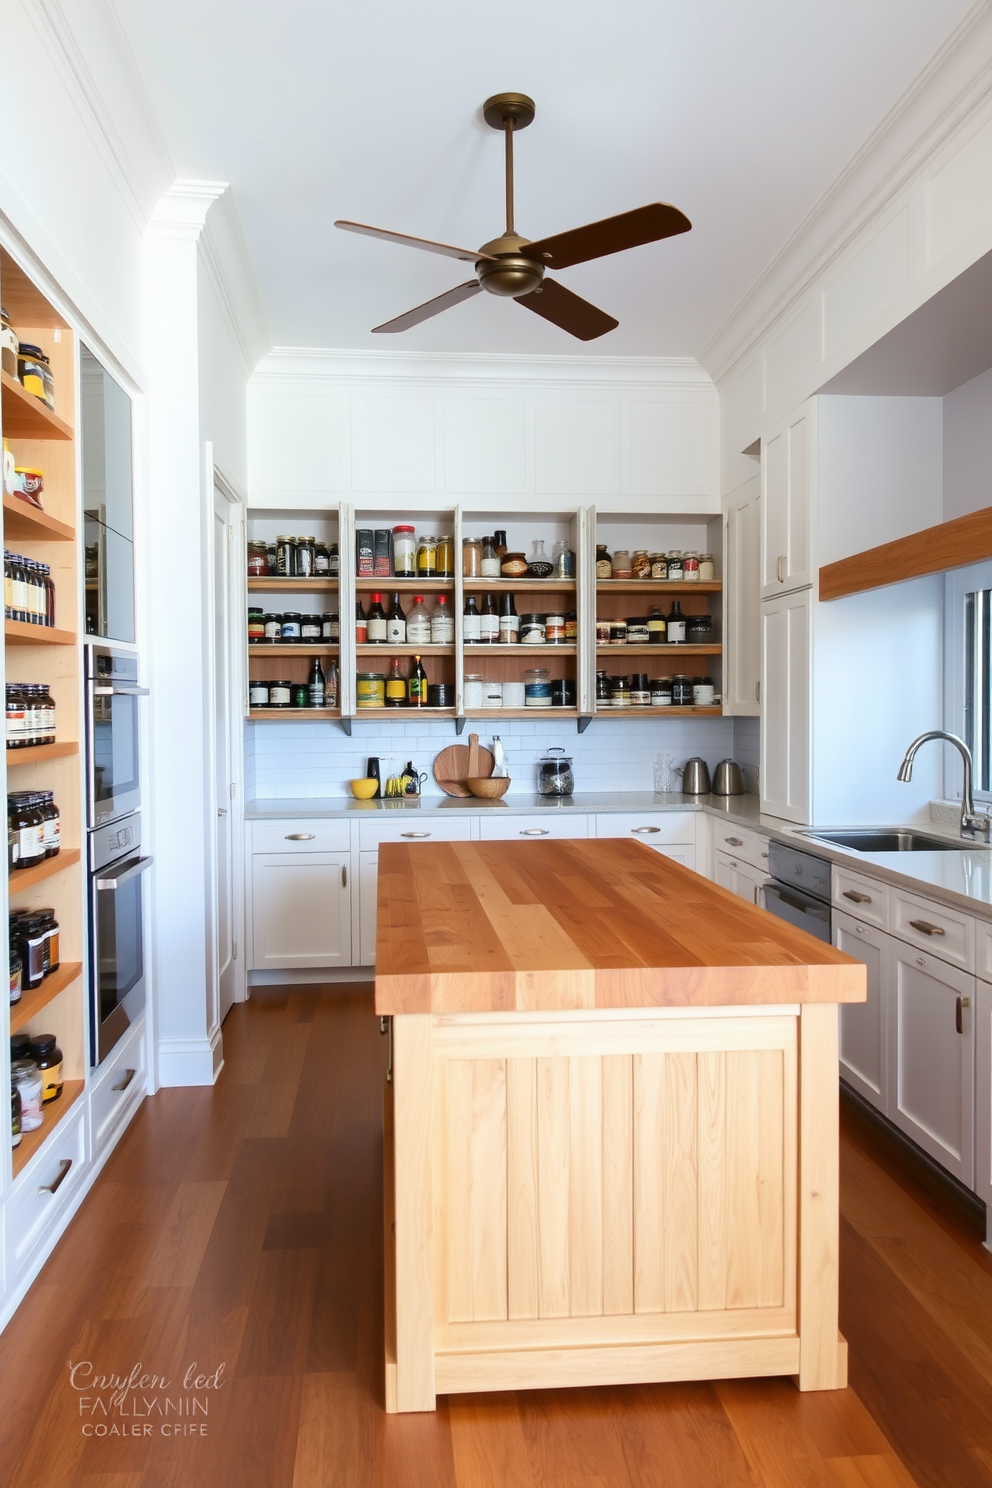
{"points": [[16, 717], [330, 626], [571, 627], [25, 830], [537, 688], [31, 934], [554, 629], [310, 628], [258, 560], [304, 557], [661, 692], [532, 630], [703, 692], [637, 630], [618, 632], [280, 694], [292, 623], [256, 626], [471, 558], [445, 556], [286, 557], [333, 561], [690, 567], [640, 564], [699, 630], [427, 558], [659, 566], [47, 1056], [675, 569], [51, 824], [370, 690], [640, 692], [321, 561], [602, 631], [681, 691], [604, 563], [619, 692], [706, 570], [621, 564], [602, 688], [404, 551], [273, 627], [34, 373], [258, 693], [26, 1080], [14, 964], [513, 565]]}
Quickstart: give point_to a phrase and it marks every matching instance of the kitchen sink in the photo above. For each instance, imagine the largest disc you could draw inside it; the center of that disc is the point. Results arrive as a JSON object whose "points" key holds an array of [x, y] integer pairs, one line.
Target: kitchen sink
{"points": [[895, 839]]}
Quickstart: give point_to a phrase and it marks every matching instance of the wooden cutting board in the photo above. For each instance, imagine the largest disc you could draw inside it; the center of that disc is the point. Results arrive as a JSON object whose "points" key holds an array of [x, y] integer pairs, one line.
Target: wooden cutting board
{"points": [[451, 767]]}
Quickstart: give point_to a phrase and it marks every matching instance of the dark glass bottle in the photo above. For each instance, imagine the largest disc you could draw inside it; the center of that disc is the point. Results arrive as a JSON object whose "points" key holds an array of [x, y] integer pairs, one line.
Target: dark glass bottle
{"points": [[396, 623], [471, 621], [315, 682], [676, 624], [489, 621], [376, 620], [417, 685]]}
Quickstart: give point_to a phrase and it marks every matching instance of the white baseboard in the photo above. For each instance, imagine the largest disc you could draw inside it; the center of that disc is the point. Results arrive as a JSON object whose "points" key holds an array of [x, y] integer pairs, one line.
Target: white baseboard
{"points": [[193, 1061], [310, 976]]}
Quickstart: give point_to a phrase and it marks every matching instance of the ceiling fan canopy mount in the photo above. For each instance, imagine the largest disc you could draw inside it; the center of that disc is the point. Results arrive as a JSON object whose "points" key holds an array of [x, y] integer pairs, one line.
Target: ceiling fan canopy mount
{"points": [[513, 267]]}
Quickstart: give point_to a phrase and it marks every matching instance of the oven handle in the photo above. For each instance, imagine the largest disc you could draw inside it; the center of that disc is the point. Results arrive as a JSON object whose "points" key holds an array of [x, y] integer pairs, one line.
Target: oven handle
{"points": [[803, 906], [121, 878], [119, 691]]}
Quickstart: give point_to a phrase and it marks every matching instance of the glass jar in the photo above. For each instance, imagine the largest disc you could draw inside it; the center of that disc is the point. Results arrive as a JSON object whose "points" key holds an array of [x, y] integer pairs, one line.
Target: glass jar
{"points": [[273, 627], [370, 690], [427, 557], [554, 629], [321, 561], [537, 688], [699, 630], [286, 557], [640, 692], [513, 565], [34, 373], [258, 560], [539, 565], [258, 693], [618, 632], [571, 628], [492, 694], [637, 630], [640, 564], [26, 1079], [661, 692], [621, 563], [256, 626], [602, 689], [25, 830], [619, 692], [31, 935], [532, 630], [563, 693], [51, 826], [659, 566], [604, 563], [657, 628], [48, 1057], [333, 561], [690, 567], [706, 570], [280, 694], [602, 631], [675, 570], [473, 689], [681, 691], [14, 965], [330, 626], [304, 557], [292, 623], [444, 562], [563, 559], [471, 558], [404, 551], [301, 695], [703, 692], [554, 773], [8, 345], [310, 628], [490, 560]]}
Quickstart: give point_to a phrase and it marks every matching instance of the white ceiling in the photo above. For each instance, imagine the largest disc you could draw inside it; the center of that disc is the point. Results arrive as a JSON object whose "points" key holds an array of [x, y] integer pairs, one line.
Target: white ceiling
{"points": [[740, 114]]}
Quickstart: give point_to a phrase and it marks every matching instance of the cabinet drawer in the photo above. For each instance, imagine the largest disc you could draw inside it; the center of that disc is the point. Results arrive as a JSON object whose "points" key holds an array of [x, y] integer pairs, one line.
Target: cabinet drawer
{"points": [[864, 898], [740, 842], [942, 932], [653, 827], [120, 1088], [32, 1214], [313, 834], [520, 828], [411, 827]]}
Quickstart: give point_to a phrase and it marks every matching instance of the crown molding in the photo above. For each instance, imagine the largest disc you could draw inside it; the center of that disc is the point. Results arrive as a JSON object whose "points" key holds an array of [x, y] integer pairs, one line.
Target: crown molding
{"points": [[295, 363], [181, 213], [950, 90]]}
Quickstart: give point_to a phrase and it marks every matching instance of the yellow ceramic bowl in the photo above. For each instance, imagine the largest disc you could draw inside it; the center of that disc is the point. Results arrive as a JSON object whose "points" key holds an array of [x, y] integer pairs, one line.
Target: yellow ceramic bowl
{"points": [[364, 790]]}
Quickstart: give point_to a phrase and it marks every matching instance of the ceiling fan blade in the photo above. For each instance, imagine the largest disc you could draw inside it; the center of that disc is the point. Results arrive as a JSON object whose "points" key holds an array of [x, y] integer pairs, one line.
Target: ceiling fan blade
{"points": [[612, 235], [431, 307], [467, 255], [569, 311]]}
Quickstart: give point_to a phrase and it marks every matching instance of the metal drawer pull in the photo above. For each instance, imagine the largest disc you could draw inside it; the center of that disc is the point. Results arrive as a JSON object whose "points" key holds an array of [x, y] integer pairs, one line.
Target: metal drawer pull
{"points": [[925, 927], [734, 841], [534, 832], [636, 830], [128, 1077], [780, 568], [300, 836], [858, 898], [64, 1167], [415, 834], [959, 1004], [344, 876]]}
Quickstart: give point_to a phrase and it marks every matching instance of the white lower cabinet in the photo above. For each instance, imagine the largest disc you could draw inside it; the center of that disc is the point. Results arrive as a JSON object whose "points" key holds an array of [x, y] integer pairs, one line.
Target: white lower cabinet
{"points": [[862, 1025], [739, 877], [301, 910], [118, 1089], [368, 882], [672, 833], [498, 828], [43, 1192], [983, 1097]]}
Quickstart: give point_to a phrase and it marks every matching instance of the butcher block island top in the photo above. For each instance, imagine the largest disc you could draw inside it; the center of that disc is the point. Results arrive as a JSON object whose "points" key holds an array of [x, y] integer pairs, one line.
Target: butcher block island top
{"points": [[470, 927]]}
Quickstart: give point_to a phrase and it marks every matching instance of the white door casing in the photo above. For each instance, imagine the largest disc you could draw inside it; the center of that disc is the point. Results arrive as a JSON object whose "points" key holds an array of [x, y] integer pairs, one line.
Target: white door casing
{"points": [[226, 711]]}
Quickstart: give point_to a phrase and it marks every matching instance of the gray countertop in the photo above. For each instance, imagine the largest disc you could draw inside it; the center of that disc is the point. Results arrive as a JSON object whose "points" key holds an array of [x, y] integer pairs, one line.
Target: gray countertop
{"points": [[962, 879]]}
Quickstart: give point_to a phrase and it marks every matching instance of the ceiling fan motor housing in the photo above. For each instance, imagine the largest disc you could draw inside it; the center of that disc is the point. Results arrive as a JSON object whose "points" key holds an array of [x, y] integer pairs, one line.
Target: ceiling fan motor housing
{"points": [[511, 275]]}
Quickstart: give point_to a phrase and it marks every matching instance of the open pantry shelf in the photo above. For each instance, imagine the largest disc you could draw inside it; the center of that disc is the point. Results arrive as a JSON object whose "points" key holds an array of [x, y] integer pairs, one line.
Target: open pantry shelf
{"points": [[27, 524], [664, 712], [292, 586], [498, 713], [385, 650], [32, 753], [405, 711], [27, 417], [20, 879], [658, 586], [518, 586], [477, 649], [31, 1003], [273, 715], [19, 633], [682, 649], [291, 648], [54, 1112], [366, 585]]}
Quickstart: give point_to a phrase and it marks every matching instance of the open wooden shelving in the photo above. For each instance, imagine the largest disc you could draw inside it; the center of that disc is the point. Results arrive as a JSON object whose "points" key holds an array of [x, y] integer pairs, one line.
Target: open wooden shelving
{"points": [[658, 586], [405, 711], [682, 649], [497, 713], [269, 715], [365, 585], [20, 879], [667, 711], [54, 1112], [27, 417], [953, 544], [19, 633], [31, 1003], [275, 585], [520, 586], [32, 753], [293, 648], [25, 523], [385, 650], [479, 649]]}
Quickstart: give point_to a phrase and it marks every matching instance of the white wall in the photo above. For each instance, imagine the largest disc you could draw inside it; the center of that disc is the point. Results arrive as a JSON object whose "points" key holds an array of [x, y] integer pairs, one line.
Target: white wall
{"points": [[968, 447]]}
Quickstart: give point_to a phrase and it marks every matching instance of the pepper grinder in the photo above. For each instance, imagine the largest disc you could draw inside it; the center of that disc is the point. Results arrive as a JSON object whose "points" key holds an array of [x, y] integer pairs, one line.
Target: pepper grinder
{"points": [[372, 773]]}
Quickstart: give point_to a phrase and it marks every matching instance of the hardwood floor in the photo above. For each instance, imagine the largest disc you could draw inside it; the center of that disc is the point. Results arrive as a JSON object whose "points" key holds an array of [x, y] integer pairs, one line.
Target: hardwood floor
{"points": [[241, 1226]]}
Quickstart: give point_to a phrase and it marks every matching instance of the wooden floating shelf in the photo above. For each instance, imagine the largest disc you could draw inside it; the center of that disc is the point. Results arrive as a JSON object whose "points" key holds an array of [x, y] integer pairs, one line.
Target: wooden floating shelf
{"points": [[32, 752], [26, 523], [54, 1112], [404, 711], [291, 648], [474, 648], [19, 633], [521, 712], [270, 715], [32, 1003], [20, 879], [949, 545], [667, 710], [537, 586], [275, 585], [365, 585], [375, 648], [666, 650], [27, 417], [659, 586]]}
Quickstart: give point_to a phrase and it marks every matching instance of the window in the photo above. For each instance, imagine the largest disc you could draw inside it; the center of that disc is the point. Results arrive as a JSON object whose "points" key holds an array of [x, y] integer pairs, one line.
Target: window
{"points": [[968, 666]]}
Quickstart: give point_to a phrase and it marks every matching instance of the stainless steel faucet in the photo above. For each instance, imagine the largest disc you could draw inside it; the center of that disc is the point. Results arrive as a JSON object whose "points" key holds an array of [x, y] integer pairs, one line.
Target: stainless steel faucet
{"points": [[970, 823]]}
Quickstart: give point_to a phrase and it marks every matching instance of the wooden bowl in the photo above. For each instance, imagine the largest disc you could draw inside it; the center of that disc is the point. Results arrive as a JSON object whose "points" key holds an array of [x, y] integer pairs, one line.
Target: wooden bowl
{"points": [[364, 790], [488, 788]]}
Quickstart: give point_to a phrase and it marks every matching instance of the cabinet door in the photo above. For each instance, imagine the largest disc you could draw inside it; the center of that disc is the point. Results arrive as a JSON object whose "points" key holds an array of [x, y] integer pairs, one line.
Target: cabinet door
{"points": [[301, 911], [983, 1098], [742, 565], [931, 1056], [368, 887], [749, 882], [862, 1024], [726, 872], [786, 560], [681, 853], [785, 705]]}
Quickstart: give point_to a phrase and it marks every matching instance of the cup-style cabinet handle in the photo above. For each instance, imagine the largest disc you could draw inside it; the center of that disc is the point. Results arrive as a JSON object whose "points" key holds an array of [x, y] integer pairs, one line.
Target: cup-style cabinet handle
{"points": [[64, 1167], [128, 1077], [415, 834], [642, 831], [300, 836], [534, 832], [856, 897], [926, 928], [734, 841]]}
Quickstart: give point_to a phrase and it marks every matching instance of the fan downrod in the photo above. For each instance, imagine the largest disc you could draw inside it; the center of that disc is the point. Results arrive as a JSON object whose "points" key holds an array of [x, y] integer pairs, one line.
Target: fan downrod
{"points": [[503, 106]]}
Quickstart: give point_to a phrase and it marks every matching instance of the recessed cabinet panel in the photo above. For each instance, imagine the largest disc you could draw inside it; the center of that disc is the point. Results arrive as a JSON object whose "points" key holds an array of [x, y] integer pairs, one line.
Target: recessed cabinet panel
{"points": [[577, 447], [785, 691], [742, 646], [393, 444], [862, 1024], [298, 444], [485, 446], [667, 448], [786, 560], [301, 910]]}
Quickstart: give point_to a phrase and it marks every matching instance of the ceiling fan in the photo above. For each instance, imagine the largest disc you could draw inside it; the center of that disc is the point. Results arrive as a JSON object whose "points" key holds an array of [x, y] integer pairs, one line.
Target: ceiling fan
{"points": [[513, 267]]}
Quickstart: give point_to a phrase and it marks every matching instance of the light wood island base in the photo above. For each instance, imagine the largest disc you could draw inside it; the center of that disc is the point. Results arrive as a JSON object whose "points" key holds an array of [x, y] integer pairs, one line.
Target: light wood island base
{"points": [[607, 1195]]}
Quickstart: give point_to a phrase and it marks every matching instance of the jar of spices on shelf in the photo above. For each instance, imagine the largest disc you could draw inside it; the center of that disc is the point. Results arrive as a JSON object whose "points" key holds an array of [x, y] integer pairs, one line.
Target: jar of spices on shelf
{"points": [[427, 557], [537, 688], [703, 692], [676, 572], [661, 692], [621, 563], [258, 560], [34, 373], [471, 558], [640, 564], [690, 567], [404, 551], [659, 566], [681, 691], [258, 693], [604, 563], [619, 692], [706, 568], [640, 692], [273, 627], [444, 562], [256, 626]]}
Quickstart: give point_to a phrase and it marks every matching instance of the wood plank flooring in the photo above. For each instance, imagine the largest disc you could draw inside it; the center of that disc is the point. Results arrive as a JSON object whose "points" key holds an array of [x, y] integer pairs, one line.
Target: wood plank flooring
{"points": [[241, 1226]]}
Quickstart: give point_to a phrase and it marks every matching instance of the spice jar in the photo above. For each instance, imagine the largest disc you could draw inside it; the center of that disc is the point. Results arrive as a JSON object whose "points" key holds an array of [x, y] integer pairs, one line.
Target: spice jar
{"points": [[554, 773], [258, 693], [26, 1079], [681, 691], [604, 563], [444, 562], [659, 566], [618, 632], [554, 629], [640, 564], [621, 563], [280, 694], [661, 692], [35, 373], [637, 630], [706, 567], [537, 688], [472, 558], [427, 558], [690, 567], [532, 630], [703, 692], [513, 565], [404, 551], [273, 627], [619, 692], [256, 626], [640, 693], [48, 1057]]}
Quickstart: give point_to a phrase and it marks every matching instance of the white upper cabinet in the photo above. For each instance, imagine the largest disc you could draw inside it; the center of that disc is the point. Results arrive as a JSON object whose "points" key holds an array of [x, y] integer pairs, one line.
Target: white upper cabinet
{"points": [[786, 549], [742, 642]]}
